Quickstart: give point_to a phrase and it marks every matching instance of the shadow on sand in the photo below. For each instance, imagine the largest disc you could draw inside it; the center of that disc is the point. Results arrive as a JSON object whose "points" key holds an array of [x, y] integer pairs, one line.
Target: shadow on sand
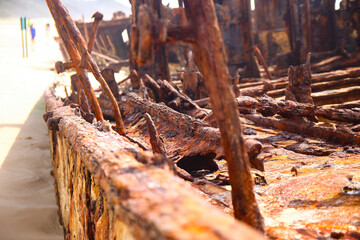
{"points": [[27, 201]]}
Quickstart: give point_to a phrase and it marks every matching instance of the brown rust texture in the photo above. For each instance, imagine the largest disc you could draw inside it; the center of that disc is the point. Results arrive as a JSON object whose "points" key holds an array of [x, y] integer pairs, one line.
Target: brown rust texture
{"points": [[104, 192], [209, 53], [183, 135], [76, 48], [313, 203]]}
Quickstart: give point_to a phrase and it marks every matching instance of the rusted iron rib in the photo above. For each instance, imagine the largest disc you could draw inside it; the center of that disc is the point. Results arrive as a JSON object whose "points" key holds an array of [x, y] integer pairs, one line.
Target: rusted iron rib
{"points": [[340, 134], [197, 137], [183, 121], [76, 59], [156, 144], [209, 54], [97, 18], [262, 61], [61, 15]]}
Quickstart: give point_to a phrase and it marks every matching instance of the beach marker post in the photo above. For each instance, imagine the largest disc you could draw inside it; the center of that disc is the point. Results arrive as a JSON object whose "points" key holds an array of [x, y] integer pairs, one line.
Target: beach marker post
{"points": [[22, 36], [26, 42]]}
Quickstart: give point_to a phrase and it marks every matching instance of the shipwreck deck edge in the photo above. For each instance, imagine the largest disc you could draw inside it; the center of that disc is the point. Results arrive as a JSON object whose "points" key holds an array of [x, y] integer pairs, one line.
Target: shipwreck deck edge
{"points": [[103, 190]]}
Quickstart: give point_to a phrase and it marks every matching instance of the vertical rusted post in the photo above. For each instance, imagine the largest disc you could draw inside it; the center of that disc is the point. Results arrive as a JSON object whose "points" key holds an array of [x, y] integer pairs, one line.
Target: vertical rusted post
{"points": [[155, 141], [262, 61], [292, 25], [159, 66], [209, 54], [86, 35], [299, 86], [161, 60], [307, 26], [109, 76], [243, 10], [97, 18], [180, 3]]}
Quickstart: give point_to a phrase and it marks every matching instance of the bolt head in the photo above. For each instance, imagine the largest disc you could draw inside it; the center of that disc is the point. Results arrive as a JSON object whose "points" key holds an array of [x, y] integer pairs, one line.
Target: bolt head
{"points": [[98, 16]]}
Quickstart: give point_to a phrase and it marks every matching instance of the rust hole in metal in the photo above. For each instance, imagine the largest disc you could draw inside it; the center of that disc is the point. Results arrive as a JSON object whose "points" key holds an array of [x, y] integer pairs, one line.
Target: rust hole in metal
{"points": [[192, 164]]}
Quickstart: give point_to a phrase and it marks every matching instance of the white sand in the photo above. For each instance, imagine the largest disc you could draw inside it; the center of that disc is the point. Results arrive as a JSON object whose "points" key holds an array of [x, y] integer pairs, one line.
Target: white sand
{"points": [[27, 201]]}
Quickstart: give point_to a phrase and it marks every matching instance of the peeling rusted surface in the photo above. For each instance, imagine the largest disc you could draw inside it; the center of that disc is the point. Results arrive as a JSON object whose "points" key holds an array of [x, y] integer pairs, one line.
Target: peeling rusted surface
{"points": [[307, 152], [314, 203], [104, 192]]}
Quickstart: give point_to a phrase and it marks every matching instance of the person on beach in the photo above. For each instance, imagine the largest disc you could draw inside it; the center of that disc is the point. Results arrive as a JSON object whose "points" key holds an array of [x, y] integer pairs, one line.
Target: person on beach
{"points": [[47, 30], [33, 33]]}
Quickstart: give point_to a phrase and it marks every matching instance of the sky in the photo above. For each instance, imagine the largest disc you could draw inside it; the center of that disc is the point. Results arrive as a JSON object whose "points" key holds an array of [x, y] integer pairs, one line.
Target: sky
{"points": [[174, 3]]}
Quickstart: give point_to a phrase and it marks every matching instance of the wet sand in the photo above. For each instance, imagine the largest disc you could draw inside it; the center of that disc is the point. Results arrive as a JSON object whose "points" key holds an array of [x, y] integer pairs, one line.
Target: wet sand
{"points": [[27, 201]]}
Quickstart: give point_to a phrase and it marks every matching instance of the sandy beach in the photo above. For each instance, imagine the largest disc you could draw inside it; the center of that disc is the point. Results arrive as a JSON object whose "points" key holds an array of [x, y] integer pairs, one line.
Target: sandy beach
{"points": [[27, 201]]}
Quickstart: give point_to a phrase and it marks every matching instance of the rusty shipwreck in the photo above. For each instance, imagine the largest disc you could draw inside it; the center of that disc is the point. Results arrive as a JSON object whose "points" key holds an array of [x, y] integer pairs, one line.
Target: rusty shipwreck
{"points": [[254, 134]]}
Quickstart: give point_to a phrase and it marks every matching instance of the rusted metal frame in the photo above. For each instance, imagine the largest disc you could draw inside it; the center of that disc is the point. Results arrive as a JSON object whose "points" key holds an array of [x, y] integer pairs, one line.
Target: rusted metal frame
{"points": [[183, 121], [97, 74], [308, 25], [103, 43], [159, 66], [191, 127], [299, 85], [320, 82], [243, 13], [340, 135], [153, 221], [61, 67], [268, 106], [112, 46], [60, 10], [158, 147], [106, 57], [76, 59], [155, 141], [182, 97], [319, 87], [351, 94], [293, 31], [209, 53], [86, 35], [97, 18], [181, 4], [260, 57], [161, 59], [317, 78]]}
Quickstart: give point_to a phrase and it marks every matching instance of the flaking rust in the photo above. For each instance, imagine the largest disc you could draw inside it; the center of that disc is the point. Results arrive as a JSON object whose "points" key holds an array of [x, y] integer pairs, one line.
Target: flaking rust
{"points": [[248, 96]]}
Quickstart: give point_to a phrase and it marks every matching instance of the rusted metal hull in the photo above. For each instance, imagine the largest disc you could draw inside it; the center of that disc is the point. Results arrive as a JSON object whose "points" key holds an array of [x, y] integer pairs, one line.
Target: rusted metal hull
{"points": [[107, 188], [301, 141], [109, 38]]}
